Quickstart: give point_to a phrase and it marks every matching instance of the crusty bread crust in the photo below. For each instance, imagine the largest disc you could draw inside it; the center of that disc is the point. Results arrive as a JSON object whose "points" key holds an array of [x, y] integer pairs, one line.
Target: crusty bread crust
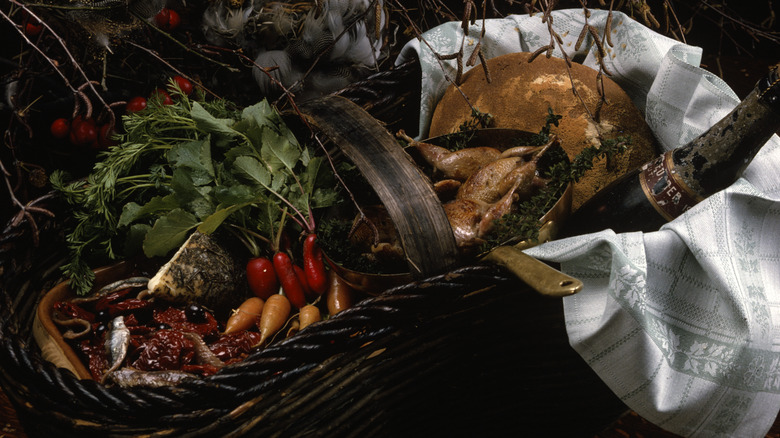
{"points": [[520, 94]]}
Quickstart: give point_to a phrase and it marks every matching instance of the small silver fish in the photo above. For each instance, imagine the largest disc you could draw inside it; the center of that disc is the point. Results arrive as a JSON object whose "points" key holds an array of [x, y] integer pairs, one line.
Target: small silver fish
{"points": [[203, 355], [130, 377], [117, 343]]}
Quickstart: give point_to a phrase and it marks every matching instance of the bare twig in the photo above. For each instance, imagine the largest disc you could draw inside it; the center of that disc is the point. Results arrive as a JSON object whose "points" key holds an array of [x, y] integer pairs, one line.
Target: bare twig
{"points": [[167, 64]]}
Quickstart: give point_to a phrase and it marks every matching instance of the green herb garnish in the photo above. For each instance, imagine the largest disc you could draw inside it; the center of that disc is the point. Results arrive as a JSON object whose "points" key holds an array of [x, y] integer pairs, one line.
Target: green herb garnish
{"points": [[524, 223]]}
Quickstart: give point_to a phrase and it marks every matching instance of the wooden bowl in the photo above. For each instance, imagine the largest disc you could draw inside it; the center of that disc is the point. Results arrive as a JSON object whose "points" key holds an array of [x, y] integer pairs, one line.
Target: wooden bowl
{"points": [[54, 348]]}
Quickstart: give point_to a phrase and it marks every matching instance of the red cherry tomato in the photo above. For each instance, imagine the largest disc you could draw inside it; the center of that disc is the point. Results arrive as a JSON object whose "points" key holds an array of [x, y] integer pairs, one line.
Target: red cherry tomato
{"points": [[261, 277], [167, 19], [136, 104], [184, 84], [163, 95], [60, 128], [33, 29]]}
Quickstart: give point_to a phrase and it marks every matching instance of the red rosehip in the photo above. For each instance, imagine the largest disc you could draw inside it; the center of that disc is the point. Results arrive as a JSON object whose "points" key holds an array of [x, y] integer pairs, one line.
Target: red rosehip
{"points": [[136, 104], [83, 132], [60, 128], [163, 95], [184, 84], [33, 29], [104, 137], [167, 19]]}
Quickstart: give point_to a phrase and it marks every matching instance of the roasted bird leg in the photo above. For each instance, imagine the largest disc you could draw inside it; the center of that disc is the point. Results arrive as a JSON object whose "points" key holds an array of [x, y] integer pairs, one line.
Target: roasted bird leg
{"points": [[457, 165]]}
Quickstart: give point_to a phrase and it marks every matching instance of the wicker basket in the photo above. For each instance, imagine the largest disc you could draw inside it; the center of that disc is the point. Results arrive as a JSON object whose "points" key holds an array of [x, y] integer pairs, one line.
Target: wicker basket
{"points": [[470, 352]]}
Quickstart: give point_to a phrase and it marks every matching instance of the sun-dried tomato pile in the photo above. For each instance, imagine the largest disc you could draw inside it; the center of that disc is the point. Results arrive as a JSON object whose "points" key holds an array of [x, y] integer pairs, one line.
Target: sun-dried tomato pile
{"points": [[158, 334]]}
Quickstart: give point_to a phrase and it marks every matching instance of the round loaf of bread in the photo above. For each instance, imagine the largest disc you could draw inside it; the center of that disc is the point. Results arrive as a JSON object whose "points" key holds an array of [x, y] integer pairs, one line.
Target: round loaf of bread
{"points": [[520, 94]]}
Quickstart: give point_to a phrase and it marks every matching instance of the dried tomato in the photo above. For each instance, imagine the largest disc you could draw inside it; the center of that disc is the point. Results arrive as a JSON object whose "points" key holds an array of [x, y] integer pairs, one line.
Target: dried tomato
{"points": [[234, 345], [94, 352], [104, 302], [177, 319], [165, 350], [132, 306], [68, 309]]}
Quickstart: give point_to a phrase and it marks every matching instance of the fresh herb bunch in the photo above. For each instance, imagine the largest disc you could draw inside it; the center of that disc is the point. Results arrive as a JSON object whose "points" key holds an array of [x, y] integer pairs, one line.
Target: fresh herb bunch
{"points": [[524, 223], [544, 134], [466, 131], [192, 165]]}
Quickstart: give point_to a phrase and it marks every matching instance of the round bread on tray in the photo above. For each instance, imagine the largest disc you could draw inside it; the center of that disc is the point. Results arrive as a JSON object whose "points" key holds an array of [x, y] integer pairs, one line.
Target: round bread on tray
{"points": [[520, 94]]}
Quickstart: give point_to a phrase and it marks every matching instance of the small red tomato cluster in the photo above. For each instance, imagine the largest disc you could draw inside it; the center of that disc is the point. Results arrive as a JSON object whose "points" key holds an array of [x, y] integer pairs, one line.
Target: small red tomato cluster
{"points": [[300, 283], [167, 19], [83, 132]]}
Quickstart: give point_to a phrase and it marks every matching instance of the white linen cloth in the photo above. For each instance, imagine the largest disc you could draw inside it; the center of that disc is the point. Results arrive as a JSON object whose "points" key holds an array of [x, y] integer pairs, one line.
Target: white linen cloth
{"points": [[683, 324]]}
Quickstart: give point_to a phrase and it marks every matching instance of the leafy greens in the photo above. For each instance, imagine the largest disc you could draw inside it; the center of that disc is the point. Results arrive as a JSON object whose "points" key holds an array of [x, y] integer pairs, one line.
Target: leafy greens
{"points": [[193, 165]]}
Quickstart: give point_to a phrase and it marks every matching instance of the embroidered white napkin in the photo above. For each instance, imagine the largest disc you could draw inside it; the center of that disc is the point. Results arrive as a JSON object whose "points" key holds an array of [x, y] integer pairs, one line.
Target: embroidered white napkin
{"points": [[683, 324]]}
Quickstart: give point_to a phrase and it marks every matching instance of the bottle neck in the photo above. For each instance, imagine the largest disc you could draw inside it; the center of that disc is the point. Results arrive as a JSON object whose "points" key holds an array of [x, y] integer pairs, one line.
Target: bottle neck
{"points": [[716, 158]]}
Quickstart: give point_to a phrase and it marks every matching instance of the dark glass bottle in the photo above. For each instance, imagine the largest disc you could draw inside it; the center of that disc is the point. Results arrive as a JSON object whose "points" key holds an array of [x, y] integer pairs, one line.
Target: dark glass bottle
{"points": [[666, 187]]}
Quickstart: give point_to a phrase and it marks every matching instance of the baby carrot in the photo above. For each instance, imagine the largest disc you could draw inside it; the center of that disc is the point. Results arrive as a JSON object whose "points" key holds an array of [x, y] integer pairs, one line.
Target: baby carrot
{"points": [[308, 315], [245, 316], [273, 317]]}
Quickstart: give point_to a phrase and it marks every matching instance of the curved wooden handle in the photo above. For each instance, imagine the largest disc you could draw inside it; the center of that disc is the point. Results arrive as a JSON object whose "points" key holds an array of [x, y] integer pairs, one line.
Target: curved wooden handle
{"points": [[407, 194], [543, 278]]}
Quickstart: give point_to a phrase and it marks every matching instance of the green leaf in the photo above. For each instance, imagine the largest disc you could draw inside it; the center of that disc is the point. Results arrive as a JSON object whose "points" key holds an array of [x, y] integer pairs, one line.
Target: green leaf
{"points": [[210, 124], [319, 184], [260, 114], [168, 232], [133, 212], [235, 194], [277, 150], [324, 198], [196, 156], [267, 217], [191, 197], [135, 238], [254, 169], [211, 223]]}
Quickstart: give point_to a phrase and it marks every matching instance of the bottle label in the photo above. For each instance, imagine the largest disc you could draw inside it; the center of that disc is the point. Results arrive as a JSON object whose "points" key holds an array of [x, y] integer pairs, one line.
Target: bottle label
{"points": [[670, 196]]}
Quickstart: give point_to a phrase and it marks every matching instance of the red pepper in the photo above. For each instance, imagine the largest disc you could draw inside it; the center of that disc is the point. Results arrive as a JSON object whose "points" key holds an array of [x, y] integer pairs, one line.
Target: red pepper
{"points": [[290, 284], [313, 265]]}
